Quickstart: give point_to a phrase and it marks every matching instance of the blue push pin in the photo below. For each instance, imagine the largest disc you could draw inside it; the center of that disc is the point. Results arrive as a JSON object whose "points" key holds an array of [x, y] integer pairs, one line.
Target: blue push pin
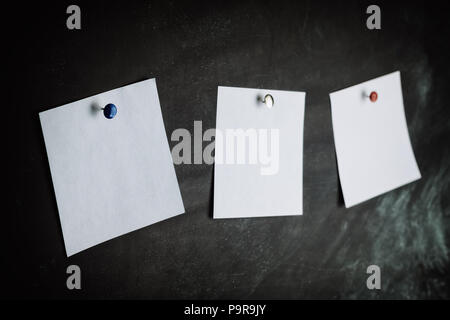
{"points": [[109, 111]]}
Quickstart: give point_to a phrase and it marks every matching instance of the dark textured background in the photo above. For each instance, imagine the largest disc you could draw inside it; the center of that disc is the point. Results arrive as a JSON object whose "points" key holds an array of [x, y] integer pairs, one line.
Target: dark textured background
{"points": [[191, 48]]}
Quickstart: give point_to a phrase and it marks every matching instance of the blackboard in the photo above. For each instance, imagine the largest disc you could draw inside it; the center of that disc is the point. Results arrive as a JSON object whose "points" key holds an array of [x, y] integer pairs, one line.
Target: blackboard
{"points": [[191, 48]]}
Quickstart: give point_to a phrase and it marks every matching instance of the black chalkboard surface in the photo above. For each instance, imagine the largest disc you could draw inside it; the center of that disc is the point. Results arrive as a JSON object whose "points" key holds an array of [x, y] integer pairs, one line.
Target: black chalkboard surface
{"points": [[191, 48]]}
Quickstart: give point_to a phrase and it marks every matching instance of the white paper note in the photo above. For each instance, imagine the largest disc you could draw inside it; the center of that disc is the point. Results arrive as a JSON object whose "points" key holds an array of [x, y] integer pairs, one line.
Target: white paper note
{"points": [[258, 167], [111, 176], [373, 148]]}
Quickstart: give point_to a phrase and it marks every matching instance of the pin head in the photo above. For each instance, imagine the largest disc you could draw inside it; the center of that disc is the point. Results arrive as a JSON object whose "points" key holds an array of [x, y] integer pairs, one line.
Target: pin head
{"points": [[373, 96], [268, 100], [110, 111]]}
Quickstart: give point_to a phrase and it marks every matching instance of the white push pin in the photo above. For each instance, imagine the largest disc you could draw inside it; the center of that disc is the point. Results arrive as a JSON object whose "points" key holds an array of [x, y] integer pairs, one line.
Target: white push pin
{"points": [[268, 100]]}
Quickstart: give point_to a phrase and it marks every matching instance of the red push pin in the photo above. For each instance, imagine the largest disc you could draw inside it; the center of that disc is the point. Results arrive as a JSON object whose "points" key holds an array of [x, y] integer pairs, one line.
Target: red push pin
{"points": [[373, 96]]}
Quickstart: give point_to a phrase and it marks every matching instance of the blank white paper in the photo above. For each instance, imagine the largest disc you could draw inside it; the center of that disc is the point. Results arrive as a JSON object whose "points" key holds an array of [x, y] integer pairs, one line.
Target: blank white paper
{"points": [[373, 148], [110, 176], [269, 186]]}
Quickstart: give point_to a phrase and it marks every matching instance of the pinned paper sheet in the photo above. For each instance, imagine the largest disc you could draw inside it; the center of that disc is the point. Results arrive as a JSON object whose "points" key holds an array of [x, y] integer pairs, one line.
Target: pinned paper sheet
{"points": [[258, 167], [111, 176], [373, 148]]}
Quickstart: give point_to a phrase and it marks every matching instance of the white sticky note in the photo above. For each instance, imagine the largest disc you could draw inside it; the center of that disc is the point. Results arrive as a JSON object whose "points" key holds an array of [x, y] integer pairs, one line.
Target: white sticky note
{"points": [[373, 148], [111, 176], [258, 168]]}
